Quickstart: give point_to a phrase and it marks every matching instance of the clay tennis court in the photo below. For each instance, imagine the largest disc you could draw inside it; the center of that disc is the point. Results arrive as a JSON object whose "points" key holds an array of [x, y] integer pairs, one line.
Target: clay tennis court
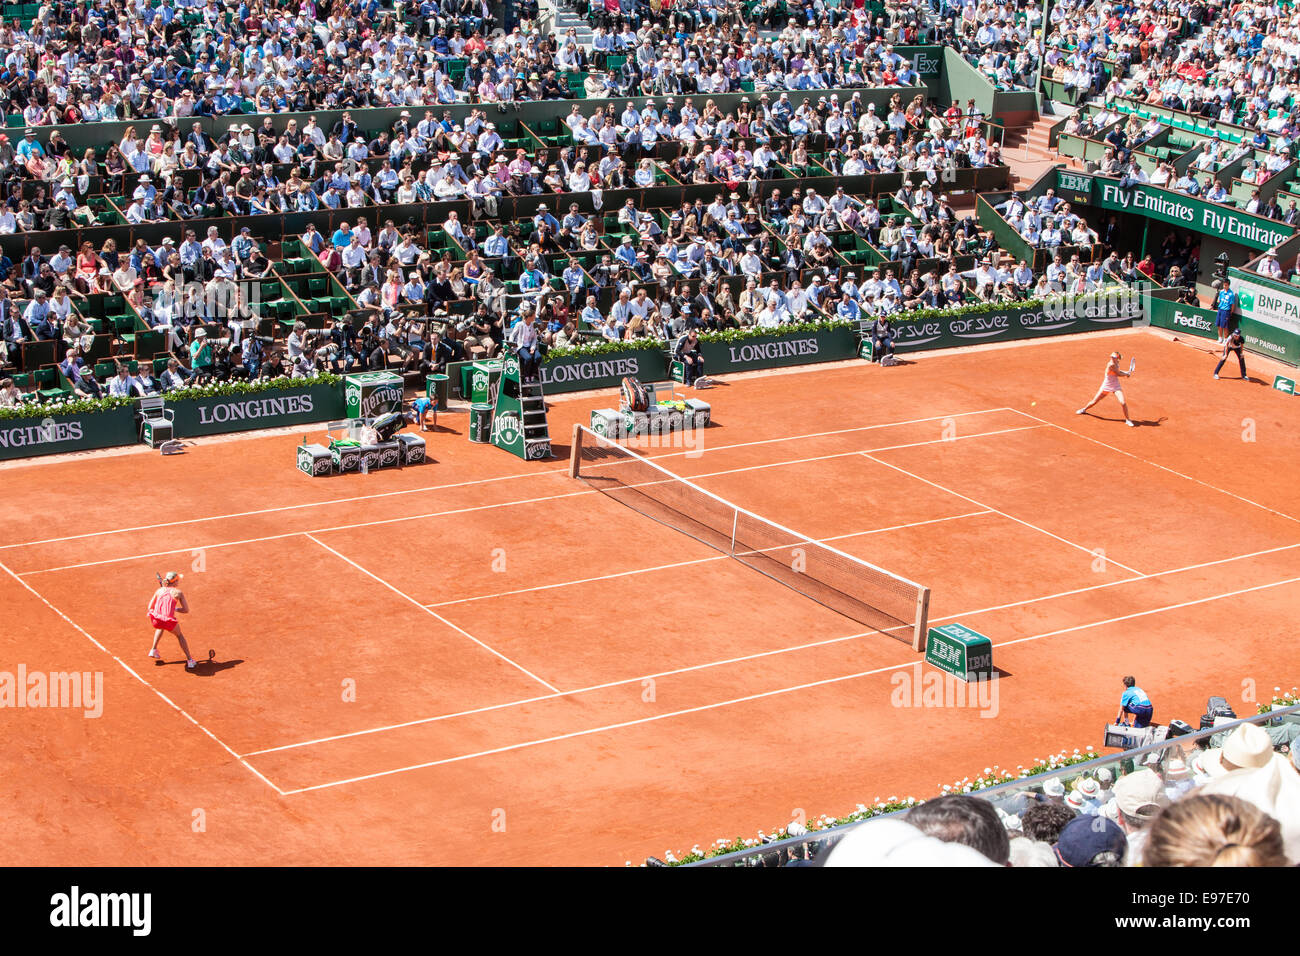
{"points": [[543, 676]]}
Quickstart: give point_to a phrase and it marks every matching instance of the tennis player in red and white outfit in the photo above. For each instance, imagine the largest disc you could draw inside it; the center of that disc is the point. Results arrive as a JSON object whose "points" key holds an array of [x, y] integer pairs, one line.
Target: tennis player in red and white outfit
{"points": [[165, 604], [1110, 386]]}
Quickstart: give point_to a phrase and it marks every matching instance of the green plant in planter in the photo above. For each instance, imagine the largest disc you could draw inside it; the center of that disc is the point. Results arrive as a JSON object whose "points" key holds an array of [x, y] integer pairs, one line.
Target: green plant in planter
{"points": [[247, 388], [62, 406]]}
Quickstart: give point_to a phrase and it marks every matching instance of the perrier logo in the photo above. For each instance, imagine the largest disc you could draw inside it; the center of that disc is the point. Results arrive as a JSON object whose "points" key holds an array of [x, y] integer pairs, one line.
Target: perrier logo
{"points": [[505, 428]]}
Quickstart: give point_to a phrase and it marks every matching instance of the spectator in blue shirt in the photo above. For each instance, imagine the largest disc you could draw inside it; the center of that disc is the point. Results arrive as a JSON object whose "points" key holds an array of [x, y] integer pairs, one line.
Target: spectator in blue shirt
{"points": [[342, 237]]}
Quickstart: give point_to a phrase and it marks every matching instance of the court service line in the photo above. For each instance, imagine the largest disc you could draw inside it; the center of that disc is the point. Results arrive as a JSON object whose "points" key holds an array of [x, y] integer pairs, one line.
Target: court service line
{"points": [[132, 671], [1158, 610], [1118, 581], [437, 616], [484, 481], [903, 471], [545, 697], [1147, 461], [714, 557], [761, 654], [503, 504], [758, 696]]}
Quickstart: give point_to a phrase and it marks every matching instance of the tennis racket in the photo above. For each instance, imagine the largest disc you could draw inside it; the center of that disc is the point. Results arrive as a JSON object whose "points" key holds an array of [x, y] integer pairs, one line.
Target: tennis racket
{"points": [[1132, 364], [159, 577]]}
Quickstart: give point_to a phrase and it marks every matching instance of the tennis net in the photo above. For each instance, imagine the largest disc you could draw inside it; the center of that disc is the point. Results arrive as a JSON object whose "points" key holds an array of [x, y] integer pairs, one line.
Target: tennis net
{"points": [[850, 586]]}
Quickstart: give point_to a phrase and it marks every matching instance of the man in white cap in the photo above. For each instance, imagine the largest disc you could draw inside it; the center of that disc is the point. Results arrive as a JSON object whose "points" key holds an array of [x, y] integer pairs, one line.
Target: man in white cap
{"points": [[1138, 799]]}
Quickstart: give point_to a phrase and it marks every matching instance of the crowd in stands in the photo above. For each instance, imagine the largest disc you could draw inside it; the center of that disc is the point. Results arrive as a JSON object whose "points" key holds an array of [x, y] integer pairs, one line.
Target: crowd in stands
{"points": [[1233, 63], [1235, 802], [1002, 39], [756, 254], [672, 259]]}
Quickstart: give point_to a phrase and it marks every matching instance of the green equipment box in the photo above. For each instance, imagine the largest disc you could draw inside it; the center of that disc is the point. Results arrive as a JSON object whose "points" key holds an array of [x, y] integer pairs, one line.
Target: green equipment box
{"points": [[371, 394], [959, 651]]}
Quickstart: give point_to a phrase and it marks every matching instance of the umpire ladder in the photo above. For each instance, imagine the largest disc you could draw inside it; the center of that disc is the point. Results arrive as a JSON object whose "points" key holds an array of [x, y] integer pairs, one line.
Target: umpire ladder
{"points": [[519, 420]]}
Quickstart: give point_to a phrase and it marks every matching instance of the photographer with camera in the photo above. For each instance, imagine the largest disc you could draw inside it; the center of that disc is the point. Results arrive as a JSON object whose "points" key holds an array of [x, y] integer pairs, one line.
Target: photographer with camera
{"points": [[308, 364], [274, 366], [373, 356], [253, 353], [226, 367], [484, 330], [343, 335], [201, 356]]}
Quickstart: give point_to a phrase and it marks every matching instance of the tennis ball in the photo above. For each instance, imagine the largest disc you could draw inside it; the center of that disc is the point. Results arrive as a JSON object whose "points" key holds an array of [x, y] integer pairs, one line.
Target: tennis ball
{"points": [[1032, 404]]}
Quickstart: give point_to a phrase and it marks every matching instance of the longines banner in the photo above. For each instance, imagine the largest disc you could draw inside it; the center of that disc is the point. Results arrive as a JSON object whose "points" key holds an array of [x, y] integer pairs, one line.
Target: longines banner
{"points": [[938, 330], [53, 435], [776, 350], [1163, 205], [578, 373], [271, 408]]}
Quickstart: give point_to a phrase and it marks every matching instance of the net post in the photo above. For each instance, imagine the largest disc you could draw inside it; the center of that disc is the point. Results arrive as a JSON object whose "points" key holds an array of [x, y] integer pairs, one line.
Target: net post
{"points": [[922, 619], [575, 451], [735, 523]]}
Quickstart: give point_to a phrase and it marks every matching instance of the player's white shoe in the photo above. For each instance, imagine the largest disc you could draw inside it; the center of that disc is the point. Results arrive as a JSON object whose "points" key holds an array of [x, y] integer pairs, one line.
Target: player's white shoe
{"points": [[1080, 411], [1130, 423], [191, 664], [153, 652], [1216, 376]]}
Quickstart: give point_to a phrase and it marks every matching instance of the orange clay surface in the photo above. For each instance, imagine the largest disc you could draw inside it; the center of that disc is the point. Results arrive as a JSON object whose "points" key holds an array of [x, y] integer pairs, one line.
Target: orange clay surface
{"points": [[542, 676]]}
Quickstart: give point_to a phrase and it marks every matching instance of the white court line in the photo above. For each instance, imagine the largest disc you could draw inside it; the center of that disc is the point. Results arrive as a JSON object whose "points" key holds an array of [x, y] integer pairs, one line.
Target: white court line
{"points": [[751, 697], [903, 471], [483, 481], [439, 617], [1118, 581], [1167, 607], [545, 697], [311, 531], [1153, 464], [130, 670], [783, 650], [503, 504], [682, 564]]}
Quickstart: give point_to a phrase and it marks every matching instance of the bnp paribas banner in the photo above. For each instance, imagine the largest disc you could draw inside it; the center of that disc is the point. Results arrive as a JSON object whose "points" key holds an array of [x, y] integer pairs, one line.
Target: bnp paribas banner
{"points": [[1212, 219], [1260, 338], [1271, 315], [1117, 308]]}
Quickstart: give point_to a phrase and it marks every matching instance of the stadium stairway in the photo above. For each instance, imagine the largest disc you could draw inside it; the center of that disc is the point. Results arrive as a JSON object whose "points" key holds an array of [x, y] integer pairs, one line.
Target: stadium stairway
{"points": [[565, 17], [1026, 149]]}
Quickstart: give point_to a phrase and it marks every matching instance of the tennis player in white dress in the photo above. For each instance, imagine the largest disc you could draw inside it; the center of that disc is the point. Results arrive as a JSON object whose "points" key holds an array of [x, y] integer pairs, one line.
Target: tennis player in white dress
{"points": [[1110, 386]]}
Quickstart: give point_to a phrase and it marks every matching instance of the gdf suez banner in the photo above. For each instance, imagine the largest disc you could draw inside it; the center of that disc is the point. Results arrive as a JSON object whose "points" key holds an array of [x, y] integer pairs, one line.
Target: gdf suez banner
{"points": [[55, 434], [1115, 309]]}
